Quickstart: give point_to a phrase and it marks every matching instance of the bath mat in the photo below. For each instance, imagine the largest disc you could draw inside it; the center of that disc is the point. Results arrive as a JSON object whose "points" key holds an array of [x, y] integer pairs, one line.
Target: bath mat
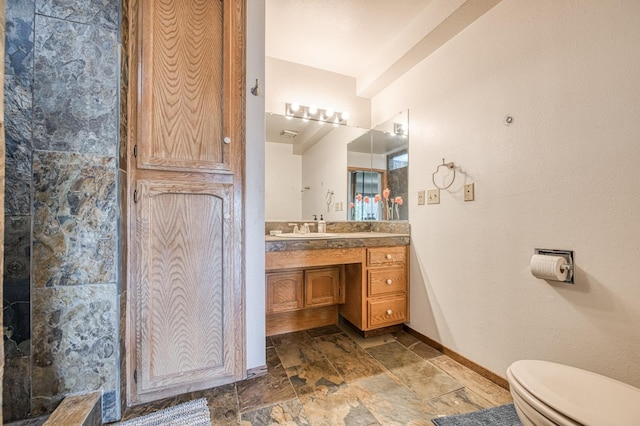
{"points": [[504, 415], [192, 413]]}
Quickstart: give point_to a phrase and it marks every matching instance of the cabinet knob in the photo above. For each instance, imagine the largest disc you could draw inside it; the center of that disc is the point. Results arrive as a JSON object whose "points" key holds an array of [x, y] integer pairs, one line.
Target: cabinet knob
{"points": [[227, 140], [389, 256], [389, 311], [389, 281]]}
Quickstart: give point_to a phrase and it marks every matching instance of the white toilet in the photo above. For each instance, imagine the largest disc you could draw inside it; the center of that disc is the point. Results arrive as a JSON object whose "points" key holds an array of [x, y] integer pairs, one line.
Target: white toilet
{"points": [[546, 393]]}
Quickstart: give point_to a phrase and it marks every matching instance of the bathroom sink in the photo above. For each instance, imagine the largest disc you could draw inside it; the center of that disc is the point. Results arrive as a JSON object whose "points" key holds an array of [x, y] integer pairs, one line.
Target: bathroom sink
{"points": [[306, 236]]}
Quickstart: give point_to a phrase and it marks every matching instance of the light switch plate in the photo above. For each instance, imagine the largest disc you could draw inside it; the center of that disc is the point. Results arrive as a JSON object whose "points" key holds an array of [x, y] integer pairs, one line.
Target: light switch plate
{"points": [[469, 194], [421, 197], [433, 196]]}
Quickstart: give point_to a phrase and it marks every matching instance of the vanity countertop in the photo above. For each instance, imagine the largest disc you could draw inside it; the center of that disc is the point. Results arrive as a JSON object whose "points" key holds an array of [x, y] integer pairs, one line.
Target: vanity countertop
{"points": [[336, 240]]}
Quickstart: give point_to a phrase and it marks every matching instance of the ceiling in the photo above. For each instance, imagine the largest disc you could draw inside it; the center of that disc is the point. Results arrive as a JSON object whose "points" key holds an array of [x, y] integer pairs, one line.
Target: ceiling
{"points": [[342, 36]]}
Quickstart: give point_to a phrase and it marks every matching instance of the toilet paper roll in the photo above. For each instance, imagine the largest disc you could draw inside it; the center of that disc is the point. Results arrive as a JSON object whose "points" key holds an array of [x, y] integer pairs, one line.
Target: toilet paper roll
{"points": [[548, 267]]}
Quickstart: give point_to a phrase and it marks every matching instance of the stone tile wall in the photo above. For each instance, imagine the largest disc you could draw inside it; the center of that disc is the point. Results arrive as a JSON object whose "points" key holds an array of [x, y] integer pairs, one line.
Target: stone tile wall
{"points": [[62, 110], [18, 86]]}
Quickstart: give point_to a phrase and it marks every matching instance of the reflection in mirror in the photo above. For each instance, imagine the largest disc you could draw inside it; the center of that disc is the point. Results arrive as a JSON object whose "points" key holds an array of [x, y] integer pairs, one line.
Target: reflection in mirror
{"points": [[363, 185], [304, 163], [378, 172]]}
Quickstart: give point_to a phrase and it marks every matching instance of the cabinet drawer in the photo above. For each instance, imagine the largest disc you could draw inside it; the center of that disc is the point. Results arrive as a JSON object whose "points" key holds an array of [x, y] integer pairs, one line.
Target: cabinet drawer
{"points": [[386, 256], [387, 281], [284, 291], [389, 311]]}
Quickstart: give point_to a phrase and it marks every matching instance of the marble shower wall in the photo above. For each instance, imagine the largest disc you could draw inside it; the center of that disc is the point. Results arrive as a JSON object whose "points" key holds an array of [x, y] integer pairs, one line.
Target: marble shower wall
{"points": [[62, 66], [18, 87]]}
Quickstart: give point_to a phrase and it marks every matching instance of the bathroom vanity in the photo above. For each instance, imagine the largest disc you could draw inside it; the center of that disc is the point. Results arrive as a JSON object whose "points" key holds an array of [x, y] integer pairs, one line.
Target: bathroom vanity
{"points": [[359, 276]]}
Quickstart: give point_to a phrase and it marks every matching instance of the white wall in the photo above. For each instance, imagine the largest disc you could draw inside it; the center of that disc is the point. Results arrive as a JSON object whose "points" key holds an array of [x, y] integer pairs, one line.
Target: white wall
{"points": [[283, 182], [324, 168], [564, 175], [254, 190], [291, 82]]}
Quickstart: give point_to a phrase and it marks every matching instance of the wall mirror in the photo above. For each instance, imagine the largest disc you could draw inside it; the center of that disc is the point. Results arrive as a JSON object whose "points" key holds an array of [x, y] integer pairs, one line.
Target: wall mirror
{"points": [[377, 172], [317, 168]]}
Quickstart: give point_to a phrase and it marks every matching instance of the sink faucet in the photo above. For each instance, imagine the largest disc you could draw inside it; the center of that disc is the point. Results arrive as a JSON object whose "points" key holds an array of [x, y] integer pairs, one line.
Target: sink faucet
{"points": [[296, 230], [305, 228]]}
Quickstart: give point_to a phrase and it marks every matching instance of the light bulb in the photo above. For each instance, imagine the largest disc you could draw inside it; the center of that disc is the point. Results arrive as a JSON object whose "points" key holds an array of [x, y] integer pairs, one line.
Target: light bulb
{"points": [[344, 115], [329, 113], [313, 109], [294, 107]]}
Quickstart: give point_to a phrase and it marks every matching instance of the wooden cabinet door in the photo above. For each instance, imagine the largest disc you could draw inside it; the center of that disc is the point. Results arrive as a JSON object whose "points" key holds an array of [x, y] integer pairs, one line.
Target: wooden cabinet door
{"points": [[284, 291], [185, 321], [321, 287], [188, 316], [191, 84]]}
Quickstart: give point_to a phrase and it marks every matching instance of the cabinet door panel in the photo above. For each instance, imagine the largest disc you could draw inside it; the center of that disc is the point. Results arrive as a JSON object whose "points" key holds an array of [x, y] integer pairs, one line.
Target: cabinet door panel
{"points": [[184, 294], [321, 287], [284, 291], [186, 85]]}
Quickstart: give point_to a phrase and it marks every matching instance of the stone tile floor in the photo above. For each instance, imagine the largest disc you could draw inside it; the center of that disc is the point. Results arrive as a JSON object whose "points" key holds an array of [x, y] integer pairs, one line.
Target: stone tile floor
{"points": [[332, 376]]}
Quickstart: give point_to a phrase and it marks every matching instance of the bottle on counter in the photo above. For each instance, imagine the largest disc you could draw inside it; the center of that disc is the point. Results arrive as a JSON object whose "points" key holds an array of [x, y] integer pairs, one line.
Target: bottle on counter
{"points": [[322, 225]]}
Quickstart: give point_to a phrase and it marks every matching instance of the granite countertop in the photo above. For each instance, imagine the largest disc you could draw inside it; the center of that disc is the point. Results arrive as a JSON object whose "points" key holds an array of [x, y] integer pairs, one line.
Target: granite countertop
{"points": [[336, 240]]}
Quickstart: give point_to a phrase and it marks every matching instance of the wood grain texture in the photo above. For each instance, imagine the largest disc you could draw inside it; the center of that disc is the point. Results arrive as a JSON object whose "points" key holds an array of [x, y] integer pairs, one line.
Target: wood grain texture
{"points": [[382, 312], [82, 410], [304, 319], [184, 277], [355, 293], [2, 166], [196, 92], [365, 305], [321, 287], [309, 258], [386, 256], [183, 81], [386, 281], [284, 291]]}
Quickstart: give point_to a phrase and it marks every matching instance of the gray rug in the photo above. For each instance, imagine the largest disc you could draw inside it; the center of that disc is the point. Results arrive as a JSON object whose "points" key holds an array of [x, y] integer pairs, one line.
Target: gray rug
{"points": [[504, 415], [192, 413]]}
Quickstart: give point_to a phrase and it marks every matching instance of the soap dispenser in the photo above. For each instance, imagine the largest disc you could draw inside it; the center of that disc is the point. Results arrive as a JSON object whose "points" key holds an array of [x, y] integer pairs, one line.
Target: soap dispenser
{"points": [[322, 225]]}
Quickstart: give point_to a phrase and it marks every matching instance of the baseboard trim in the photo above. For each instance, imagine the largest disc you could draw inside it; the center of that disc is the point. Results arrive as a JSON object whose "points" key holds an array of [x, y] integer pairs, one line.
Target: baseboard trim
{"points": [[487, 374]]}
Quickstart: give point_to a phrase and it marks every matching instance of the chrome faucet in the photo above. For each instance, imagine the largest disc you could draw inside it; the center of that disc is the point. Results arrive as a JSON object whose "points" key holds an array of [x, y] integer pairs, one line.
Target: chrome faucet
{"points": [[305, 228], [296, 230]]}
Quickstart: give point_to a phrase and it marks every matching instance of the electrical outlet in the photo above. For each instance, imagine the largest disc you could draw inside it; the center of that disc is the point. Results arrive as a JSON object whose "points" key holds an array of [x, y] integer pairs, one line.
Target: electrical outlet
{"points": [[421, 197], [468, 192], [433, 196]]}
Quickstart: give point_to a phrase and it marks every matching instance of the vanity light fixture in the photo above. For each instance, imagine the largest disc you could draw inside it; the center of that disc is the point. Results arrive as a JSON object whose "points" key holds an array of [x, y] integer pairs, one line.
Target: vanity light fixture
{"points": [[316, 114]]}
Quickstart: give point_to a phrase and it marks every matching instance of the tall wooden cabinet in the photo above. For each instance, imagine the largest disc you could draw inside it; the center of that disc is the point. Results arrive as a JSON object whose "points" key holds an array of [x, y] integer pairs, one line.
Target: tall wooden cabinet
{"points": [[185, 317]]}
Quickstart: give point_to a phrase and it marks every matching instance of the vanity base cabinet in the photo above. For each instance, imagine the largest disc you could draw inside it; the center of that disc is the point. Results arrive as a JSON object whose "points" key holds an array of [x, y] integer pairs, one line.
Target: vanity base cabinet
{"points": [[381, 300], [368, 287], [302, 299]]}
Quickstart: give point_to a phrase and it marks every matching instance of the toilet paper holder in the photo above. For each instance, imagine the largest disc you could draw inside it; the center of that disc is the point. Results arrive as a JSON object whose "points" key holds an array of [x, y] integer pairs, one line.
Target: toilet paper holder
{"points": [[567, 254]]}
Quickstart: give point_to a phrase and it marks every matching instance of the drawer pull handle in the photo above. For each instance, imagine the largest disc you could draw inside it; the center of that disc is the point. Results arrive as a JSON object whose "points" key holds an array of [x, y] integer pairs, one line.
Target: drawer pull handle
{"points": [[389, 281], [389, 256], [389, 311]]}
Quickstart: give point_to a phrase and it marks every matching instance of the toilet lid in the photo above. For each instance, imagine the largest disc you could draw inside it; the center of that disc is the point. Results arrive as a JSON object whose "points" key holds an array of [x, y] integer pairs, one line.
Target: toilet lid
{"points": [[586, 397]]}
